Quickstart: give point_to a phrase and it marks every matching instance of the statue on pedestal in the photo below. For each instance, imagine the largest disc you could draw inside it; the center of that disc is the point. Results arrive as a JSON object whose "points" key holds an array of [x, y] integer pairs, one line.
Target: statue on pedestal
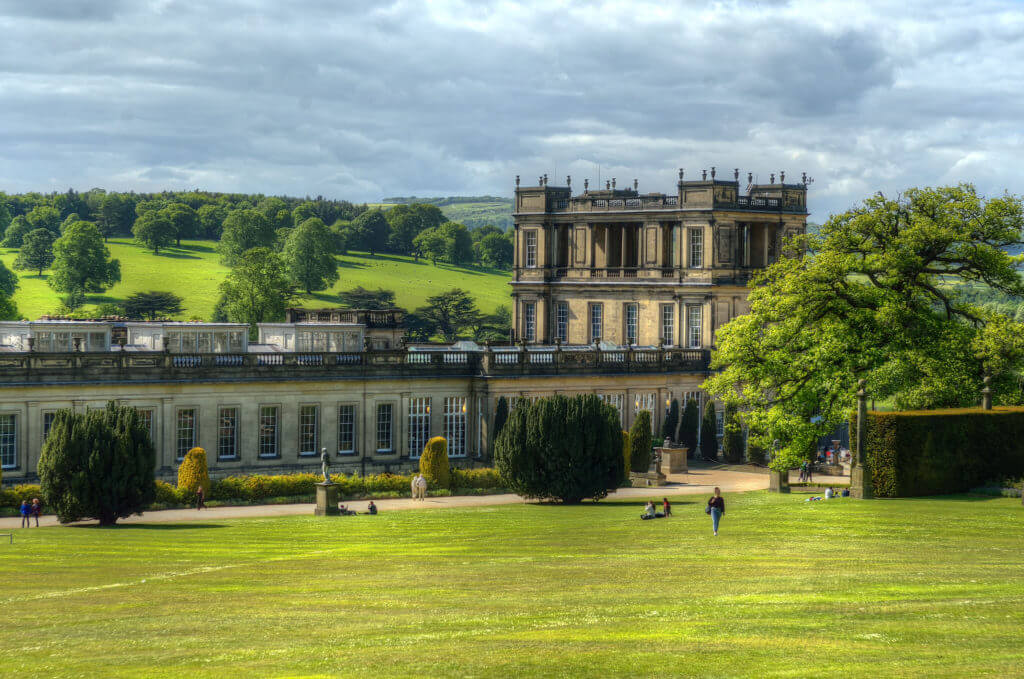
{"points": [[325, 462]]}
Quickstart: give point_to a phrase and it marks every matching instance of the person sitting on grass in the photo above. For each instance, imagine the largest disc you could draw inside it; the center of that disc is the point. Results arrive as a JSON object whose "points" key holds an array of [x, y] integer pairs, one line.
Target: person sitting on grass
{"points": [[846, 492], [345, 511], [371, 508], [829, 493], [648, 511]]}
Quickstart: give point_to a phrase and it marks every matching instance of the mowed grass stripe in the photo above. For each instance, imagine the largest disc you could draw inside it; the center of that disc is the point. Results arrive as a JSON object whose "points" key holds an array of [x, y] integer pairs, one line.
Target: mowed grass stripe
{"points": [[883, 588], [194, 272]]}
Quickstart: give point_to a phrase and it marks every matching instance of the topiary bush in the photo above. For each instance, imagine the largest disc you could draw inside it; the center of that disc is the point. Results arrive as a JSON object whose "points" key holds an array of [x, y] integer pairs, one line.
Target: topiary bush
{"points": [[564, 448], [689, 423], [933, 452], [709, 433], [193, 472], [640, 442], [97, 465], [434, 463], [732, 442], [668, 428]]}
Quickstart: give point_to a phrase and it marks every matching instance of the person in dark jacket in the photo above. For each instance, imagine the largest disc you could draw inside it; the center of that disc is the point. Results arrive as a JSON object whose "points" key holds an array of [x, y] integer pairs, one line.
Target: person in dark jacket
{"points": [[716, 508], [200, 498]]}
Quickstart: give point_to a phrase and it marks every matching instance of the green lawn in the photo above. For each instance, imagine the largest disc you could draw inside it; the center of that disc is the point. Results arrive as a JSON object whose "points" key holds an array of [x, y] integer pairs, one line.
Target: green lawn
{"points": [[193, 271], [918, 587]]}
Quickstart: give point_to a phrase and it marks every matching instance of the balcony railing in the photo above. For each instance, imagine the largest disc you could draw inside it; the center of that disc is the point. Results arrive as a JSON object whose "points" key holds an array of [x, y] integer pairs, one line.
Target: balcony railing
{"points": [[21, 368], [586, 204]]}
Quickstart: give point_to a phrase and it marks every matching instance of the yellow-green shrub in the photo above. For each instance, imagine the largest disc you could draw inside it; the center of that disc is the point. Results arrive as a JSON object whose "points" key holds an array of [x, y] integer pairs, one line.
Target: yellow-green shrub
{"points": [[434, 463], [166, 494], [193, 473], [476, 478]]}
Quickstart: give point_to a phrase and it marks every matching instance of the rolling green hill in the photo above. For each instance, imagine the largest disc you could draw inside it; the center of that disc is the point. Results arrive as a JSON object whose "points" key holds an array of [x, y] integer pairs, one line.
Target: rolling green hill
{"points": [[193, 271], [472, 211]]}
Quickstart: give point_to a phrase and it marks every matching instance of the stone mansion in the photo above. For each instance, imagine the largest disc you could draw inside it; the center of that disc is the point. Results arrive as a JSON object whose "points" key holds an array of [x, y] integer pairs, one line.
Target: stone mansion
{"points": [[616, 293]]}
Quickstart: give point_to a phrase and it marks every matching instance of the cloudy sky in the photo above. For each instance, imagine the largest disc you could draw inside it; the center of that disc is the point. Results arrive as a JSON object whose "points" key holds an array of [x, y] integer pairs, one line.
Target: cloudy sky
{"points": [[365, 100]]}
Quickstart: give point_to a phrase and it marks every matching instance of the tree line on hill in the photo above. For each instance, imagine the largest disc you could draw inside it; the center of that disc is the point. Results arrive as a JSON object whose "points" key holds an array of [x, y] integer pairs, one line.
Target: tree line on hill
{"points": [[273, 245]]}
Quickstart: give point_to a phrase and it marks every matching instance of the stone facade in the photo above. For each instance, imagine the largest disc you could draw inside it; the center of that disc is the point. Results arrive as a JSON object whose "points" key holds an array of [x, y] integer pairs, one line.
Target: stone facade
{"points": [[621, 267]]}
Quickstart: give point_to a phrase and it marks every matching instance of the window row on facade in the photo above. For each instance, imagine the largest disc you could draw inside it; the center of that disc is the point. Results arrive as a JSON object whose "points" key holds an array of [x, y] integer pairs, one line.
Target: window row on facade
{"points": [[631, 323]]}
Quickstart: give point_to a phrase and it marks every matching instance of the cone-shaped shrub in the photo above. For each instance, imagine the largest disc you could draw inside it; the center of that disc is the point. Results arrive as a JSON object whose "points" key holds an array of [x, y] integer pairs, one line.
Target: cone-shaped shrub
{"points": [[500, 416], [668, 429], [626, 452], [688, 425], [709, 433], [98, 465], [732, 442], [434, 463], [640, 442], [565, 448], [193, 472]]}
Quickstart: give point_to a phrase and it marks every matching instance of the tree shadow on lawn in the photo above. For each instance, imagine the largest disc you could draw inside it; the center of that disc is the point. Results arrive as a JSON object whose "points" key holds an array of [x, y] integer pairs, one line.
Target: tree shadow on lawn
{"points": [[960, 497], [612, 503], [187, 525], [347, 264], [197, 248], [176, 254]]}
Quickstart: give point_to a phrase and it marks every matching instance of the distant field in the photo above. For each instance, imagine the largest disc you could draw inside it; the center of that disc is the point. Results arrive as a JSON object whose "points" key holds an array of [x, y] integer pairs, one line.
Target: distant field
{"points": [[474, 215], [194, 272]]}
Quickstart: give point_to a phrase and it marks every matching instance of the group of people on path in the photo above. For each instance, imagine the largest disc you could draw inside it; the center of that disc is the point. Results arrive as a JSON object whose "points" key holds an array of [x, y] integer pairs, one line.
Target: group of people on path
{"points": [[715, 508], [419, 487], [29, 510]]}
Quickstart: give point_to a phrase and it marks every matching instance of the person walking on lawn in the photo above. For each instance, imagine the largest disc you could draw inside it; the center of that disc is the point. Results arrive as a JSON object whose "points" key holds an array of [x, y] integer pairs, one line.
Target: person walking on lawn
{"points": [[716, 508], [200, 498]]}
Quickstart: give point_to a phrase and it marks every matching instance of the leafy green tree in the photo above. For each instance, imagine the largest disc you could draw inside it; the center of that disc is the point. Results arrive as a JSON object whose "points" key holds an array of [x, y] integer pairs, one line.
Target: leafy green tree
{"points": [[45, 217], [98, 465], [873, 296], [302, 212], [5, 214], [258, 288], [565, 448], [640, 442], [244, 230], [361, 298], [69, 220], [8, 310], [709, 433], [36, 251], [185, 220], [407, 221], [211, 219], [307, 254], [418, 328], [370, 232], [479, 233], [15, 234], [149, 205], [430, 243], [110, 215], [277, 212], [732, 441], [494, 327], [152, 305], [154, 230], [8, 281], [668, 427], [452, 313], [689, 424], [494, 250], [82, 262]]}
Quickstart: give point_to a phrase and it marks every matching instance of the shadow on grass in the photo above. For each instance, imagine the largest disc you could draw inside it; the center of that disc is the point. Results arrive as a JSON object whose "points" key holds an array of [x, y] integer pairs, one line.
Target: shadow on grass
{"points": [[150, 526], [348, 264], [177, 254], [612, 503], [197, 248]]}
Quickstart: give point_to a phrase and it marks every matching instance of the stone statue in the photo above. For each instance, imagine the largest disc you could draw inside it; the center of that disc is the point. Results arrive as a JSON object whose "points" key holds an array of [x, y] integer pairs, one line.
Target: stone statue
{"points": [[325, 462], [668, 443]]}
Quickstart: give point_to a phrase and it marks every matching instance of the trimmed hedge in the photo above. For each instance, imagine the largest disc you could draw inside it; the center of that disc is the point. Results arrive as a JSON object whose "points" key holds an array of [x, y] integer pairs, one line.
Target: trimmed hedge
{"points": [[193, 472], [434, 463], [933, 452]]}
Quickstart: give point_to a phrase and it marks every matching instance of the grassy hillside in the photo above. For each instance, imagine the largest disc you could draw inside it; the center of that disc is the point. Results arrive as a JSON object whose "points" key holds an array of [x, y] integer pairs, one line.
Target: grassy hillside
{"points": [[465, 210], [193, 271]]}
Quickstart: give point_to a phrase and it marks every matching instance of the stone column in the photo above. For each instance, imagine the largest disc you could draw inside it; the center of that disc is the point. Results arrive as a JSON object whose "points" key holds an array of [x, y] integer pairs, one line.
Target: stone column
{"points": [[860, 474], [624, 246], [607, 246], [986, 393]]}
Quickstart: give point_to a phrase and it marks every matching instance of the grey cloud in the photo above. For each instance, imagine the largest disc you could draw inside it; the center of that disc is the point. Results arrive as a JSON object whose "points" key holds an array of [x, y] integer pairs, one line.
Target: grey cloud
{"points": [[361, 101]]}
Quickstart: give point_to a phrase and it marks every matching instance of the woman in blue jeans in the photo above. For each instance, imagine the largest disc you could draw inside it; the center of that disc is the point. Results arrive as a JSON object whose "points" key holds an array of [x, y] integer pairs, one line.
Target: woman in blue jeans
{"points": [[716, 508]]}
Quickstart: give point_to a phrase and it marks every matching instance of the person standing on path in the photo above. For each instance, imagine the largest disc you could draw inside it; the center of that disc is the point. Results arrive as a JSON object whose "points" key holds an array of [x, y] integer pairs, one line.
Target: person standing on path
{"points": [[415, 487], [37, 509], [422, 485], [26, 511], [200, 497], [716, 507]]}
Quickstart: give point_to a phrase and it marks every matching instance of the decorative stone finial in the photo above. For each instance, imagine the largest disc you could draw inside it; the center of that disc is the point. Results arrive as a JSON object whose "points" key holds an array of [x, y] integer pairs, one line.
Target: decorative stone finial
{"points": [[586, 185], [540, 180], [607, 185], [782, 176], [750, 177], [517, 181], [680, 174], [712, 171], [773, 178], [803, 178], [736, 174], [636, 185], [704, 174], [545, 179], [568, 180], [613, 182]]}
